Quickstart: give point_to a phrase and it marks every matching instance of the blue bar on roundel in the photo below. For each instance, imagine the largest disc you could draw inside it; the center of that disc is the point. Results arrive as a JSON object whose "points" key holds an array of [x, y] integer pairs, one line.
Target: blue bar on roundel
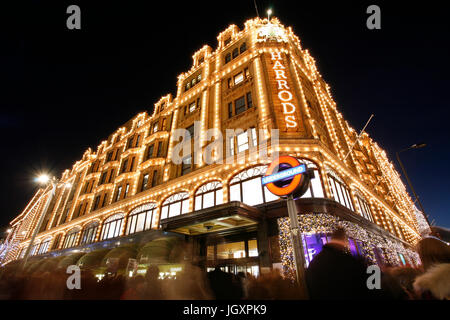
{"points": [[284, 174]]}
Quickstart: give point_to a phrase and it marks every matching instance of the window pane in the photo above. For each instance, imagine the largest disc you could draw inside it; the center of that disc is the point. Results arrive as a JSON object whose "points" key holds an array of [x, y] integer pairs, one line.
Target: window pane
{"points": [[242, 141], [254, 137], [317, 185], [185, 206], [198, 203], [140, 222], [132, 225], [219, 197], [307, 194], [164, 212], [240, 105], [252, 192], [148, 221], [252, 248], [238, 78], [333, 189], [208, 200], [174, 209], [231, 146], [232, 250], [269, 195], [235, 192]]}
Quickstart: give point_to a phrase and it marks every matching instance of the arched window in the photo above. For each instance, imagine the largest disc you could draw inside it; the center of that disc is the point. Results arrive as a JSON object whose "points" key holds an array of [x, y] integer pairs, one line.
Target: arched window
{"points": [[89, 233], [22, 252], [44, 246], [112, 226], [71, 238], [141, 218], [364, 206], [175, 205], [246, 187], [339, 189], [55, 244], [208, 195], [315, 189], [33, 250]]}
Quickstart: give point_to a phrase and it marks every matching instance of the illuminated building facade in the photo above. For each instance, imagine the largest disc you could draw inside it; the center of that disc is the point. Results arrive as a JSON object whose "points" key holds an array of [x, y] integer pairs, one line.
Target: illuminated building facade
{"points": [[257, 79]]}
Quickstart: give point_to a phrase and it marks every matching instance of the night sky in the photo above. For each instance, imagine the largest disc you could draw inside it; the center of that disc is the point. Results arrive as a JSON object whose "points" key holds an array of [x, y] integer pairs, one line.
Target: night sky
{"points": [[63, 90]]}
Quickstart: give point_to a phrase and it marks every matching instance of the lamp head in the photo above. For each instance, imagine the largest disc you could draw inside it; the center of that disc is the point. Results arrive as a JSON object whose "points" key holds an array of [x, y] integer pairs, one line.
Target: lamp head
{"points": [[43, 179]]}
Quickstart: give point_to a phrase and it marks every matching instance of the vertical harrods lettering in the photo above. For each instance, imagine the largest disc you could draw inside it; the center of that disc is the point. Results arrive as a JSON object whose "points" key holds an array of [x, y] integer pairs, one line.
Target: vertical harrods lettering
{"points": [[284, 93]]}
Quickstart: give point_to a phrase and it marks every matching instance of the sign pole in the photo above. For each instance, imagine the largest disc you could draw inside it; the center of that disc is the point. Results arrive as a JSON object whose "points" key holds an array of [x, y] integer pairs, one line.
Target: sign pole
{"points": [[297, 245]]}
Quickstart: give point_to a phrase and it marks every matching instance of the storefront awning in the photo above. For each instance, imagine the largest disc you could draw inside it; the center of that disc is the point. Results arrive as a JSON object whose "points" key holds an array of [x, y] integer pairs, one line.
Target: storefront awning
{"points": [[219, 218]]}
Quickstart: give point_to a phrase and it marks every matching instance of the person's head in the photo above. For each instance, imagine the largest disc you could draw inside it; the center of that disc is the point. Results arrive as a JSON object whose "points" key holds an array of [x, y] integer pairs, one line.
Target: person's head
{"points": [[433, 251], [339, 236], [152, 272]]}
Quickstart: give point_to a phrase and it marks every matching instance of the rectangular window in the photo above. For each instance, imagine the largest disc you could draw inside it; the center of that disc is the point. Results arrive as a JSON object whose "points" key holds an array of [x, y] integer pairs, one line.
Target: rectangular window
{"points": [[130, 142], [227, 58], [230, 109], [154, 178], [227, 41], [119, 191], [144, 182], [137, 141], [192, 107], [243, 47], [92, 185], [150, 151], [239, 105], [109, 156], [103, 178], [126, 190], [242, 141], [233, 250], [191, 132], [186, 165], [164, 122], [254, 137], [231, 146], [155, 127], [159, 152], [96, 202], [105, 196], [132, 164], [124, 165], [249, 100], [235, 52], [111, 175], [238, 78], [252, 192]]}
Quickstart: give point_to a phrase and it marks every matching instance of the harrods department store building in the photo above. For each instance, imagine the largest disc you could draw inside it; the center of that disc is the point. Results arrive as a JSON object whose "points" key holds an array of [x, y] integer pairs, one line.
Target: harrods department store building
{"points": [[257, 79]]}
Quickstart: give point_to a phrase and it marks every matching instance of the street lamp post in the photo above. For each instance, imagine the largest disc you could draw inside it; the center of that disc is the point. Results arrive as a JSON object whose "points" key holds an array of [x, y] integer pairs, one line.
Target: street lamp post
{"points": [[414, 146], [52, 183], [297, 245]]}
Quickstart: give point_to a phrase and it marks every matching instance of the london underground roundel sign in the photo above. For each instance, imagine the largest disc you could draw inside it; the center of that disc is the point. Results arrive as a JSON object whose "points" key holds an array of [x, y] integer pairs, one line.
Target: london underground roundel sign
{"points": [[286, 176]]}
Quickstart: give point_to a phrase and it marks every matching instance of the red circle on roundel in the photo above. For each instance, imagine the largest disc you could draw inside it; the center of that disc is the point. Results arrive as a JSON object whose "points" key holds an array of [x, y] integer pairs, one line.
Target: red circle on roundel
{"points": [[284, 191]]}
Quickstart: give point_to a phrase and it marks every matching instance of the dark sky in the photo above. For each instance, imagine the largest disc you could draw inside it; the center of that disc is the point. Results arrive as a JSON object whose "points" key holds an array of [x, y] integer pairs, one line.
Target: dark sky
{"points": [[63, 91]]}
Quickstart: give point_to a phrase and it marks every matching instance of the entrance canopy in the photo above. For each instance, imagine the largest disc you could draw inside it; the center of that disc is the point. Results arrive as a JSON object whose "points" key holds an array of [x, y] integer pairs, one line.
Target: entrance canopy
{"points": [[219, 218]]}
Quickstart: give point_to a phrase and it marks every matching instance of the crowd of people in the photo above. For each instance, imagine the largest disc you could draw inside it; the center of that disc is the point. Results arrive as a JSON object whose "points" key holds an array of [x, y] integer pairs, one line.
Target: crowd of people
{"points": [[333, 274]]}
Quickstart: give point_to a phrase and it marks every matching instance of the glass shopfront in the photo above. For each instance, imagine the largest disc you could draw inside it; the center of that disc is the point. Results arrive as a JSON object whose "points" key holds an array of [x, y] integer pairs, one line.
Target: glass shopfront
{"points": [[313, 243], [234, 256]]}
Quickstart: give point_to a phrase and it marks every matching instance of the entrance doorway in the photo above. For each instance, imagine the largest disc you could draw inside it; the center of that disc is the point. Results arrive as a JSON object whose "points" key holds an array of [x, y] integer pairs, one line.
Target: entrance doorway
{"points": [[234, 256]]}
